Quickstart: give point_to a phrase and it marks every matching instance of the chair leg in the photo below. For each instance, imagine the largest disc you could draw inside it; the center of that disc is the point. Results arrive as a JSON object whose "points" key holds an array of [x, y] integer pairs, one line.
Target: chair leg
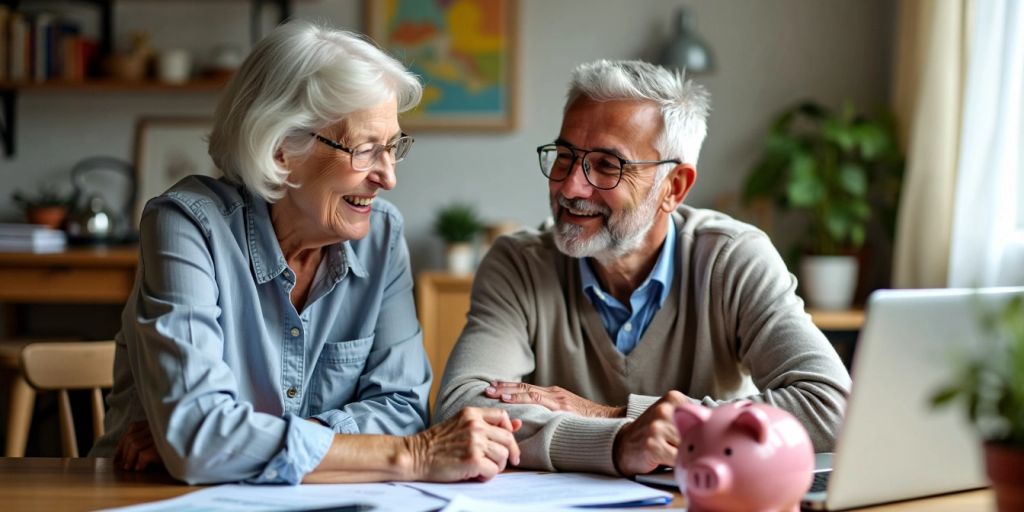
{"points": [[69, 445], [97, 414], [23, 399]]}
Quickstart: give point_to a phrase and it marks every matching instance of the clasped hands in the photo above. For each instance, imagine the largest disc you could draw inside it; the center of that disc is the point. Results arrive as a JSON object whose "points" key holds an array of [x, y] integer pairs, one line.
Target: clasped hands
{"points": [[640, 446]]}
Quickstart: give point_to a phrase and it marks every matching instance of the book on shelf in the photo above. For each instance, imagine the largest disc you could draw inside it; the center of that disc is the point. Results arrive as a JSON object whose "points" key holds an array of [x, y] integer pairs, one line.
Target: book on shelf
{"points": [[31, 238]]}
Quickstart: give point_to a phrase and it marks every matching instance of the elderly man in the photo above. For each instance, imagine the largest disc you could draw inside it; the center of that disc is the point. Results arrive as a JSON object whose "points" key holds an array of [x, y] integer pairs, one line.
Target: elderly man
{"points": [[594, 330]]}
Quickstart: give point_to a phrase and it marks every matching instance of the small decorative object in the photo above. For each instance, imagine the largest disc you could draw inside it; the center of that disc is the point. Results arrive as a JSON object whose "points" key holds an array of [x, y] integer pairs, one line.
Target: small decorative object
{"points": [[990, 384], [465, 52], [742, 456], [686, 50], [49, 207], [458, 224], [835, 169], [174, 66], [133, 65], [225, 61]]}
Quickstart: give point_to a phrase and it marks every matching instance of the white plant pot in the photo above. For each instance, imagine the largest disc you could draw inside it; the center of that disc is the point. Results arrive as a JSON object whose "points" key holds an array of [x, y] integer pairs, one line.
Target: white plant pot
{"points": [[460, 259], [829, 282]]}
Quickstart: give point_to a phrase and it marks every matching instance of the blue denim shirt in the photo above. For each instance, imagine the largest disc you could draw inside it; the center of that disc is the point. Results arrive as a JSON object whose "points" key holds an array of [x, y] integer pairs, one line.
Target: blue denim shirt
{"points": [[215, 356], [626, 325]]}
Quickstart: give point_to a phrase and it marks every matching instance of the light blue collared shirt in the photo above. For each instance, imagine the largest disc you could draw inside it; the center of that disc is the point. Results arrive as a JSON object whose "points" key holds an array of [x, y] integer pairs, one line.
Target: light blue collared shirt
{"points": [[215, 356], [626, 325]]}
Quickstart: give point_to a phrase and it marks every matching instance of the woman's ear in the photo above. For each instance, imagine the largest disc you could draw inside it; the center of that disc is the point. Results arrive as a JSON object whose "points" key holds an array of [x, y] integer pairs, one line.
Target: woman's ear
{"points": [[679, 182], [280, 158]]}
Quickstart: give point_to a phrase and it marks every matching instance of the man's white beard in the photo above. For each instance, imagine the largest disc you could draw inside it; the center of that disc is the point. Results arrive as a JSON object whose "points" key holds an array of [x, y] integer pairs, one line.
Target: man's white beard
{"points": [[618, 236]]}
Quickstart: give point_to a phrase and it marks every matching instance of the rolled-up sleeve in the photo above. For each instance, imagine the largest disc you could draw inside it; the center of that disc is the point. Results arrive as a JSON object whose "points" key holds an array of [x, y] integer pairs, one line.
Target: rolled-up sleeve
{"points": [[203, 432]]}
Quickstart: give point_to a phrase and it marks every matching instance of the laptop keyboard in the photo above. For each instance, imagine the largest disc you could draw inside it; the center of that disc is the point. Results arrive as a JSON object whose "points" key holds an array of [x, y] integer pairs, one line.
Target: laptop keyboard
{"points": [[820, 482]]}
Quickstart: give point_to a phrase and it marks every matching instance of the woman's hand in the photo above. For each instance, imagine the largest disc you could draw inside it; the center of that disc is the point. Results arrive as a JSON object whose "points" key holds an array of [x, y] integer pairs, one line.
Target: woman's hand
{"points": [[475, 444], [135, 450]]}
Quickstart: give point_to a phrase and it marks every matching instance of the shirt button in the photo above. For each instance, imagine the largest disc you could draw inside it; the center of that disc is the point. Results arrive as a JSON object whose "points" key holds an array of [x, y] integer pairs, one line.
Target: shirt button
{"points": [[292, 392], [271, 474], [296, 332], [628, 327]]}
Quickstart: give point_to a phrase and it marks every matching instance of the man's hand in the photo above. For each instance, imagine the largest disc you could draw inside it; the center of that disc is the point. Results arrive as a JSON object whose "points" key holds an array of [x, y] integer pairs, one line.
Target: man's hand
{"points": [[135, 450], [651, 440], [475, 444], [553, 397]]}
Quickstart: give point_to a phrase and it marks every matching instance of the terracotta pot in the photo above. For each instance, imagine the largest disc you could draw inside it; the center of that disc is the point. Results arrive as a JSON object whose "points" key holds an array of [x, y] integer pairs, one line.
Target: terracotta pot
{"points": [[49, 216], [1004, 464]]}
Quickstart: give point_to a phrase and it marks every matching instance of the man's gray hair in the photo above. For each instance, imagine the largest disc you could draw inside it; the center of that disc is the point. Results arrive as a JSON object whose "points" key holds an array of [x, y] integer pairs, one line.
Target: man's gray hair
{"points": [[684, 105], [299, 79]]}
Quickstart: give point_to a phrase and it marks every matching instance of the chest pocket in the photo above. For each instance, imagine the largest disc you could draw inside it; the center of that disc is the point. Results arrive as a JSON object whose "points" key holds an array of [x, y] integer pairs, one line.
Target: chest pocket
{"points": [[337, 373]]}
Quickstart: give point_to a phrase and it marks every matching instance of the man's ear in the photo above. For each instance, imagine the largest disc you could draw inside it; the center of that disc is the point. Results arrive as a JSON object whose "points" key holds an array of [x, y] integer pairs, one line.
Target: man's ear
{"points": [[678, 183]]}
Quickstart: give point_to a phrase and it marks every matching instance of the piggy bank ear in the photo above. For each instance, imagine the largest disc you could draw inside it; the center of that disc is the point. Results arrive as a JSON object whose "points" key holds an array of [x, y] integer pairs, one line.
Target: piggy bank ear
{"points": [[754, 422], [689, 416]]}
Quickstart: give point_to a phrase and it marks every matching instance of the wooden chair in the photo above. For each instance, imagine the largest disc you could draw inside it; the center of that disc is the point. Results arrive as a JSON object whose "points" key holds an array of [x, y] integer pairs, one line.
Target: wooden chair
{"points": [[71, 365]]}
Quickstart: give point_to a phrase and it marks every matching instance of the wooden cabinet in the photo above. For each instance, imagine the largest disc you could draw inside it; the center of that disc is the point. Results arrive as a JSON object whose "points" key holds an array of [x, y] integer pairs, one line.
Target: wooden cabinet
{"points": [[442, 301]]}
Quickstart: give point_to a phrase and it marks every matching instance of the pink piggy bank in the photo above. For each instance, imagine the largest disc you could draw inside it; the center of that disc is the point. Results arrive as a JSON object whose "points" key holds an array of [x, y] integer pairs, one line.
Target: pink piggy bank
{"points": [[742, 456]]}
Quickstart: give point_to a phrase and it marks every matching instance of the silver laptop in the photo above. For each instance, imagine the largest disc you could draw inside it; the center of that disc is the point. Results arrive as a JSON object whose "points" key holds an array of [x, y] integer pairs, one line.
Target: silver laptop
{"points": [[893, 445]]}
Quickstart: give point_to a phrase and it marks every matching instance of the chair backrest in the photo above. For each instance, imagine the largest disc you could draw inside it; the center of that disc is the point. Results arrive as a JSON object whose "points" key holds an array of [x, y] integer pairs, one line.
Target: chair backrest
{"points": [[71, 365]]}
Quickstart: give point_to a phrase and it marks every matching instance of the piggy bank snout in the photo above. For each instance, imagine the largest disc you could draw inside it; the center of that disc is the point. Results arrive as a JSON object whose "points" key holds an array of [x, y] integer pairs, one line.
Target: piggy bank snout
{"points": [[708, 477]]}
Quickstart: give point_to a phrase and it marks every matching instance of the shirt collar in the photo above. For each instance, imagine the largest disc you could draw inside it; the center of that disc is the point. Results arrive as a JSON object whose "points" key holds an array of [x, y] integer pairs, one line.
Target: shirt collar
{"points": [[661, 273], [265, 254]]}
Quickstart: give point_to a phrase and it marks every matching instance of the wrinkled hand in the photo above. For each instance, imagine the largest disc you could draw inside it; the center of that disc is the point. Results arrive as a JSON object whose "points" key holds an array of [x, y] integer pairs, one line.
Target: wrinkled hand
{"points": [[135, 450], [474, 444], [552, 397], [651, 440]]}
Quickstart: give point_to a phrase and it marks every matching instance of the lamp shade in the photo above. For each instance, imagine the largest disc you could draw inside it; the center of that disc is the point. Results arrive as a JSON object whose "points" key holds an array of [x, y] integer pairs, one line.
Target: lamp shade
{"points": [[686, 49]]}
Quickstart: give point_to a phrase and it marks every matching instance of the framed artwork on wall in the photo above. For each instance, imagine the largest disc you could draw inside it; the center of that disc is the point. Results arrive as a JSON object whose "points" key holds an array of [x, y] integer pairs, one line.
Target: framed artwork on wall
{"points": [[465, 51], [166, 150]]}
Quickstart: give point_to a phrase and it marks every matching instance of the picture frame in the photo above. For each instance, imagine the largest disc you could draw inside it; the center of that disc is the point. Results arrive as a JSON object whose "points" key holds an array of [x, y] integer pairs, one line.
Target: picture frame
{"points": [[166, 150], [463, 90]]}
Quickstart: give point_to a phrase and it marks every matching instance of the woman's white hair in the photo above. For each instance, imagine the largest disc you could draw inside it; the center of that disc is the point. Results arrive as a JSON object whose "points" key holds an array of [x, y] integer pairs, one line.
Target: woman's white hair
{"points": [[299, 79], [684, 105]]}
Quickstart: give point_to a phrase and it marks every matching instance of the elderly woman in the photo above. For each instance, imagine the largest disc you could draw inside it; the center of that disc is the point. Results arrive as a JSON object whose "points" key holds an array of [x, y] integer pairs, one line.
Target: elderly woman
{"points": [[271, 335]]}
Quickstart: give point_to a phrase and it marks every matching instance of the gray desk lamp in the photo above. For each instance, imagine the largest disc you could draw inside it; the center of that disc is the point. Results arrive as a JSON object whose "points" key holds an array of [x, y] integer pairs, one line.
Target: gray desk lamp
{"points": [[686, 49]]}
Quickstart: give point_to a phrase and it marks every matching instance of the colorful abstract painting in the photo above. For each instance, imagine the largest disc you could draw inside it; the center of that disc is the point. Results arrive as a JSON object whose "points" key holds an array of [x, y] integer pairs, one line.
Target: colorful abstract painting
{"points": [[464, 51]]}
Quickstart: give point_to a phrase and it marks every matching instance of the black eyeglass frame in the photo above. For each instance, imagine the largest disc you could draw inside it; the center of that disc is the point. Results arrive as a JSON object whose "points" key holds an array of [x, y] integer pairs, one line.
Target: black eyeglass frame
{"points": [[581, 154], [384, 147]]}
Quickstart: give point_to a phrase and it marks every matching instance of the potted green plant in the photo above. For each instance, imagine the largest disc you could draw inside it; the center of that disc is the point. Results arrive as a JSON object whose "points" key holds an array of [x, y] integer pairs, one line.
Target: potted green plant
{"points": [[990, 384], [833, 168], [48, 207], [458, 224]]}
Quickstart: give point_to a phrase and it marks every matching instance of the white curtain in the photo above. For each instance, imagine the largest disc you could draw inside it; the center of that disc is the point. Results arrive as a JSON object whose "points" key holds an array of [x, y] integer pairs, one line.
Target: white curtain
{"points": [[931, 62], [987, 247]]}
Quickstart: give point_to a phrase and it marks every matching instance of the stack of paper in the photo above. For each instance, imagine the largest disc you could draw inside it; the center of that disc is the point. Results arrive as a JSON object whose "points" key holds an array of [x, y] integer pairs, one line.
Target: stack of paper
{"points": [[31, 238], [518, 490], [531, 489]]}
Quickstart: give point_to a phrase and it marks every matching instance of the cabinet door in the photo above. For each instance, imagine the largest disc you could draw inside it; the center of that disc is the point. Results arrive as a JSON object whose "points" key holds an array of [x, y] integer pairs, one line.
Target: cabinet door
{"points": [[442, 302]]}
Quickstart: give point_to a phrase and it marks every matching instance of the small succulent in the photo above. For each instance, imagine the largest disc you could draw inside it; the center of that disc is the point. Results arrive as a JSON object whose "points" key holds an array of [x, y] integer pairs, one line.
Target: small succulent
{"points": [[458, 223]]}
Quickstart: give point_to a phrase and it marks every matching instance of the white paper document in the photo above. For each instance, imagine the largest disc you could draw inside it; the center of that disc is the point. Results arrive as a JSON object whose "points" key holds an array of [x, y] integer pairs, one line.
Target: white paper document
{"points": [[550, 489], [255, 498]]}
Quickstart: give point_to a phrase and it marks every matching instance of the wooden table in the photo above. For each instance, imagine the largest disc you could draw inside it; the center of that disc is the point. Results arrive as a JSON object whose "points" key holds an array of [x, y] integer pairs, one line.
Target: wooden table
{"points": [[90, 484], [79, 275]]}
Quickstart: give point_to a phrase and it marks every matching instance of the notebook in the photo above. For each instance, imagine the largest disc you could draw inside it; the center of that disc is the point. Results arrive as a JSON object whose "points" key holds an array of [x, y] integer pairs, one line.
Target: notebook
{"points": [[893, 445]]}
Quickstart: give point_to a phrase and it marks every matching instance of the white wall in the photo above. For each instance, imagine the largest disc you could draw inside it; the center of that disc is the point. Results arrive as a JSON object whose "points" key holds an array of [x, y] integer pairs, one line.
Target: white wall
{"points": [[769, 54]]}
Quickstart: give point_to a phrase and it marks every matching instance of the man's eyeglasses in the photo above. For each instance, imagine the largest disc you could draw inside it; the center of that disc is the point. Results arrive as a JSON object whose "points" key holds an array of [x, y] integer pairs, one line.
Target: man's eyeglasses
{"points": [[365, 155], [602, 170]]}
